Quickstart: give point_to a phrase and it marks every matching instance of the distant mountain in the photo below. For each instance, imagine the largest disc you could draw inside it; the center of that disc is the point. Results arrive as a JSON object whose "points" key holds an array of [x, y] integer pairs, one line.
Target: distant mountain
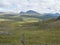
{"points": [[2, 12], [22, 13], [44, 16], [49, 15], [30, 12]]}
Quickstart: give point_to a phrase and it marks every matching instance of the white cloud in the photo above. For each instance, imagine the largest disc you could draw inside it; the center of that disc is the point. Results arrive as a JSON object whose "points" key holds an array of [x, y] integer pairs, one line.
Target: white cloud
{"points": [[41, 6]]}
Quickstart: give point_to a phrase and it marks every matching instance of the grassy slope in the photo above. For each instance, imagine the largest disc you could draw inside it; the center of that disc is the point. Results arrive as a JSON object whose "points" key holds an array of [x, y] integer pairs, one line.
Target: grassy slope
{"points": [[34, 33]]}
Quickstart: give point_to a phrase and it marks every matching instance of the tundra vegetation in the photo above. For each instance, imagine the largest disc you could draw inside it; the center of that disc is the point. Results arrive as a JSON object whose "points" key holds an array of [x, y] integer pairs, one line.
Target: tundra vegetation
{"points": [[30, 31]]}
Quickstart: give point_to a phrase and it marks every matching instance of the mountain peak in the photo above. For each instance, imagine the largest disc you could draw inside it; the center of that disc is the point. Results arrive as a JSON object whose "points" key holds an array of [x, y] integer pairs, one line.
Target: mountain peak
{"points": [[30, 12]]}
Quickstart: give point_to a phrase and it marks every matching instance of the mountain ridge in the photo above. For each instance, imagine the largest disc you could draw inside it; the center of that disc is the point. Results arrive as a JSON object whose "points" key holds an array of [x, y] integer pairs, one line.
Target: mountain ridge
{"points": [[29, 12]]}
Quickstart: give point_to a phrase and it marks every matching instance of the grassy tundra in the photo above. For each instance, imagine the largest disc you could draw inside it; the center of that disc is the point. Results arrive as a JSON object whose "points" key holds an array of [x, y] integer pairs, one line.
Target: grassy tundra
{"points": [[32, 32]]}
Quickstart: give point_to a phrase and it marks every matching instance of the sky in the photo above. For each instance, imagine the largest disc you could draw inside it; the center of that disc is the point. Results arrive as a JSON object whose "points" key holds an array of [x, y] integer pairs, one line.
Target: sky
{"points": [[41, 6]]}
